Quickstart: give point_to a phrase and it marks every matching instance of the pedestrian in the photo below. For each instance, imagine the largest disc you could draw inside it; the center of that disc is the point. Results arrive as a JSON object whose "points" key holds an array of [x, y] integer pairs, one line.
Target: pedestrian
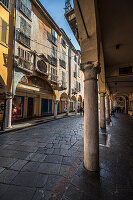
{"points": [[81, 110]]}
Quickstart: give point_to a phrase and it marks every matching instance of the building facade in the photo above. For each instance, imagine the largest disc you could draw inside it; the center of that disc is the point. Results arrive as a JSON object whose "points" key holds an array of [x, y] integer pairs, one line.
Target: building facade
{"points": [[46, 75], [6, 59], [4, 31]]}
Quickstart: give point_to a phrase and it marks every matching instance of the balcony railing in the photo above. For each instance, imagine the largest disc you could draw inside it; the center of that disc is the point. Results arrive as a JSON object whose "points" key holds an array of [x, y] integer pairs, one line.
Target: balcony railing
{"points": [[53, 78], [22, 38], [5, 3], [62, 63], [71, 19], [23, 64], [54, 61]]}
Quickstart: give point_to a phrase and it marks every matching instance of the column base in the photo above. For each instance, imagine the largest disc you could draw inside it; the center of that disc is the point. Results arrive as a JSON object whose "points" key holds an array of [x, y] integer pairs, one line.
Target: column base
{"points": [[91, 169]]}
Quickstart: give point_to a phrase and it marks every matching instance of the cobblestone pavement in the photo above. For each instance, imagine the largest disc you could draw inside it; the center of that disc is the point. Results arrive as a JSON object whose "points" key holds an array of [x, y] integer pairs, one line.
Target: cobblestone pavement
{"points": [[46, 162]]}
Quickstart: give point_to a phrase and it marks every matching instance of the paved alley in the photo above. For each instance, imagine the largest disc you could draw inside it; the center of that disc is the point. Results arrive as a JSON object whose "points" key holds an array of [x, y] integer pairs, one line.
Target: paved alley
{"points": [[46, 162]]}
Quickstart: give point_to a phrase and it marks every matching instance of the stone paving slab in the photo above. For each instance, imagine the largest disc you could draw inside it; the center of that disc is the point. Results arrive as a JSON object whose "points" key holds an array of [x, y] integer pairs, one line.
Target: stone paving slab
{"points": [[46, 163]]}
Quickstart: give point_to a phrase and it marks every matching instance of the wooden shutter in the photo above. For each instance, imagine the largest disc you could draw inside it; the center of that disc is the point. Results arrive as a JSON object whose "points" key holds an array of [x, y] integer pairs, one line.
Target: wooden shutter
{"points": [[4, 35]]}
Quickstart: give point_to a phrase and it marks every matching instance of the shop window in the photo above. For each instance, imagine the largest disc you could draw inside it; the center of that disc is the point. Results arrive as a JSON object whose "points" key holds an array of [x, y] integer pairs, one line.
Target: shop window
{"points": [[17, 107]]}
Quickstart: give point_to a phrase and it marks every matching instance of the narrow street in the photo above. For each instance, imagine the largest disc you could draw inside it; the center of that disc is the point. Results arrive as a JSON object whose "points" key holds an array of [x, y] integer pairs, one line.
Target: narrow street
{"points": [[46, 162]]}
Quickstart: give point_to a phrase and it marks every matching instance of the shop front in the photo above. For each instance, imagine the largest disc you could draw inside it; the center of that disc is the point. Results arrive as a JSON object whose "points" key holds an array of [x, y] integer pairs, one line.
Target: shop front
{"points": [[46, 107], [34, 98], [17, 107]]}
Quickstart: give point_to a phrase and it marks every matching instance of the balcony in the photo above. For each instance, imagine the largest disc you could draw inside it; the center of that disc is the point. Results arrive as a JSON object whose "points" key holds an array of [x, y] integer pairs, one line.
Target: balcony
{"points": [[62, 63], [75, 74], [25, 65], [53, 78], [71, 19], [22, 38]]}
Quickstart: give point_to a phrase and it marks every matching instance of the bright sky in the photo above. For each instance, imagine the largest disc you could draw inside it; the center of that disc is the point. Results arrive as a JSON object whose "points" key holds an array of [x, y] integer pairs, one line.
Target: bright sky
{"points": [[56, 9]]}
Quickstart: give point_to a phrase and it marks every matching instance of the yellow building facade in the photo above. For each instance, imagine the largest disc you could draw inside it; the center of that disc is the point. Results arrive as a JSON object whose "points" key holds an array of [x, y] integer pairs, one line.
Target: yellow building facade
{"points": [[4, 35]]}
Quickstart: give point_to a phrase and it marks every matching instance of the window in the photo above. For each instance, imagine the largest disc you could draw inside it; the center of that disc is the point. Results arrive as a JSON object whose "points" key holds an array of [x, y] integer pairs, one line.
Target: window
{"points": [[27, 56], [25, 31], [3, 31], [63, 55], [75, 58], [63, 76], [75, 68], [26, 7], [54, 37], [53, 74], [21, 52], [63, 43], [49, 38], [54, 52], [79, 61], [25, 27], [78, 72], [75, 84], [5, 2], [79, 87]]}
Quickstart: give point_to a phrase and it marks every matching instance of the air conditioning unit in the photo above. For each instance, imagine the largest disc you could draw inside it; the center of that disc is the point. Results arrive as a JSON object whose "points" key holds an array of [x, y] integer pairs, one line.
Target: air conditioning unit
{"points": [[41, 66]]}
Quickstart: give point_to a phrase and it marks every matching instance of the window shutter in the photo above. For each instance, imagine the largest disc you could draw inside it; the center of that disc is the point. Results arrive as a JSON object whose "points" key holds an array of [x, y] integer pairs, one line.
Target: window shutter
{"points": [[0, 28], [4, 32]]}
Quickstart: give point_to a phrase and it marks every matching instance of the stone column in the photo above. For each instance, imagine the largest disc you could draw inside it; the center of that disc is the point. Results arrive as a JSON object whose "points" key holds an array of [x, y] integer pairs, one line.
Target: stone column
{"points": [[55, 109], [68, 107], [25, 107], [91, 131], [8, 112], [126, 107], [111, 105], [107, 108], [102, 111]]}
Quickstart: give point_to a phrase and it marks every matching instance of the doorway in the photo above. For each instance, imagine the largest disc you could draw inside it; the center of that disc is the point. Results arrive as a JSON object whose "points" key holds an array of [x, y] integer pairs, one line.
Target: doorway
{"points": [[30, 107]]}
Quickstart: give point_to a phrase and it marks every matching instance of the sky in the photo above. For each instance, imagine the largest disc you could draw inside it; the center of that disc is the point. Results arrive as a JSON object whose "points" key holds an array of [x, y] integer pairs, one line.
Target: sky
{"points": [[56, 9]]}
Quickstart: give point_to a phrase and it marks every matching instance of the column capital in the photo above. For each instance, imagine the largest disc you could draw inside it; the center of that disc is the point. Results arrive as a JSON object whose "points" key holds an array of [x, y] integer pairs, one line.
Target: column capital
{"points": [[102, 94], [90, 69]]}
